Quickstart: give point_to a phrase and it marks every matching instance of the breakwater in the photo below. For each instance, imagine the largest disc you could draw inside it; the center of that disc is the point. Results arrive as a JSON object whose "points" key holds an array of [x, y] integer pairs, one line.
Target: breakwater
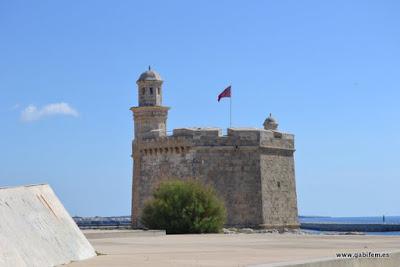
{"points": [[351, 227], [98, 222]]}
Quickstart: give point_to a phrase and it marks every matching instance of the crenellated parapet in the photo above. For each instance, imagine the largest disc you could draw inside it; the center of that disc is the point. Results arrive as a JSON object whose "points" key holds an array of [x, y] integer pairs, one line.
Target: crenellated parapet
{"points": [[277, 140], [184, 138]]}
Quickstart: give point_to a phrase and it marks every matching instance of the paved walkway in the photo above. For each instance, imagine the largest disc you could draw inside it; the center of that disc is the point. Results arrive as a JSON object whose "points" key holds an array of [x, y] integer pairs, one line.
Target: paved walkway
{"points": [[227, 250]]}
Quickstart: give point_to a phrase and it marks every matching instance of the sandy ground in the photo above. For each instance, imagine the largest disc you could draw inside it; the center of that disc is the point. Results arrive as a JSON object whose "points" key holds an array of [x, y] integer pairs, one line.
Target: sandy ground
{"points": [[125, 249]]}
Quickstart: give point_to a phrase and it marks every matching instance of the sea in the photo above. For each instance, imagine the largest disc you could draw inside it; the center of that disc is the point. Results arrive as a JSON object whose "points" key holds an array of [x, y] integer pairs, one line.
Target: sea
{"points": [[356, 220]]}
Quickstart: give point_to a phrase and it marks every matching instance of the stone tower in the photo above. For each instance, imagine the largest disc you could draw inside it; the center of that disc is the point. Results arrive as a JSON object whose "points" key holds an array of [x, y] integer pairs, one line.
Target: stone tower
{"points": [[150, 116], [150, 121]]}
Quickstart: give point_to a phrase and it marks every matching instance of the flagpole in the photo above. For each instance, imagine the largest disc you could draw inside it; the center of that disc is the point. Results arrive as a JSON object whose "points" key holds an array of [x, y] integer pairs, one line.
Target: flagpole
{"points": [[230, 110]]}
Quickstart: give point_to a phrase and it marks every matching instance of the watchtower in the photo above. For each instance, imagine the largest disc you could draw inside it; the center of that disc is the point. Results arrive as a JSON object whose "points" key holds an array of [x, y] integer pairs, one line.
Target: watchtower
{"points": [[150, 116]]}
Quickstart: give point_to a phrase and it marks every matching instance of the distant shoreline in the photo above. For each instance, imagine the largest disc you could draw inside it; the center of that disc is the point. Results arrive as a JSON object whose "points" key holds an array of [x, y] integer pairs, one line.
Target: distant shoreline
{"points": [[315, 223]]}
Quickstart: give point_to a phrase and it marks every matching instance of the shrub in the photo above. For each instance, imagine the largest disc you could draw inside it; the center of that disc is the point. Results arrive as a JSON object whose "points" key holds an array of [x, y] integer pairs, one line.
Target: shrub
{"points": [[184, 207]]}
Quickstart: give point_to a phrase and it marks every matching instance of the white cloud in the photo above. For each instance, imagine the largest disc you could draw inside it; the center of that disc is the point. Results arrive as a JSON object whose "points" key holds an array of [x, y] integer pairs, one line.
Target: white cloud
{"points": [[33, 113]]}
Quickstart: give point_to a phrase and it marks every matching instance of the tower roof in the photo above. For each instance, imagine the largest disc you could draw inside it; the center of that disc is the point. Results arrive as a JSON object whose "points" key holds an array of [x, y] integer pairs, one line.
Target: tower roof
{"points": [[270, 123], [270, 119], [149, 75]]}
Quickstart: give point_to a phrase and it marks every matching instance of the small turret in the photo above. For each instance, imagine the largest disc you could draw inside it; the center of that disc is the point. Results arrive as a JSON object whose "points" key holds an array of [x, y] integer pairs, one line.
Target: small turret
{"points": [[270, 123], [149, 88], [150, 116]]}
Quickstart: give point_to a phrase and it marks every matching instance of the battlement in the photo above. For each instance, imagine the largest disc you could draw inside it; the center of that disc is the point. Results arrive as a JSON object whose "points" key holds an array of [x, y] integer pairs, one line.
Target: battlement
{"points": [[250, 134], [276, 140], [183, 139], [198, 132]]}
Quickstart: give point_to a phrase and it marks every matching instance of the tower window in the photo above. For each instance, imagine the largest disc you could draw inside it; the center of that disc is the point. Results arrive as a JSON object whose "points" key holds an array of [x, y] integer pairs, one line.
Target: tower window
{"points": [[279, 184], [143, 91], [159, 90], [151, 90]]}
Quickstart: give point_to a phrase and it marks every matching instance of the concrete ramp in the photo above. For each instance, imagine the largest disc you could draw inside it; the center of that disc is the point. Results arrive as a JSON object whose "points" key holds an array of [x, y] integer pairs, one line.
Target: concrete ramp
{"points": [[36, 230]]}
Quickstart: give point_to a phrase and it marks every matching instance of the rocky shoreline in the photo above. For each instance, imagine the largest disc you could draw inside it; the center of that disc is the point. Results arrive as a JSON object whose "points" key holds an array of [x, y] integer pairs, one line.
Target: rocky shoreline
{"points": [[234, 230]]}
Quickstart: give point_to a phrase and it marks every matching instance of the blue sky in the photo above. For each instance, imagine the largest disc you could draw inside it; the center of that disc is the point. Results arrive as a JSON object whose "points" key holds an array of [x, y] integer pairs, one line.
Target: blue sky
{"points": [[328, 71]]}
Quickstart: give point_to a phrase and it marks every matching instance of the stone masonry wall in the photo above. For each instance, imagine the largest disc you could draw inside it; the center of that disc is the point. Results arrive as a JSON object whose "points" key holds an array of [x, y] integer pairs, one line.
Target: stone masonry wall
{"points": [[241, 167], [235, 174], [278, 180]]}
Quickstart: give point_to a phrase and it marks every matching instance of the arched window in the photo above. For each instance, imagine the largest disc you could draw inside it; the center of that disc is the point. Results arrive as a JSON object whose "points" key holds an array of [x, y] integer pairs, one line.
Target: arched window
{"points": [[143, 91], [151, 90]]}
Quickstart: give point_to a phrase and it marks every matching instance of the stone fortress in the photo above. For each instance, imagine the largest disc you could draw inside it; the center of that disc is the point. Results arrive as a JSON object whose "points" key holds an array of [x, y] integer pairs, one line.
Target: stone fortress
{"points": [[251, 169]]}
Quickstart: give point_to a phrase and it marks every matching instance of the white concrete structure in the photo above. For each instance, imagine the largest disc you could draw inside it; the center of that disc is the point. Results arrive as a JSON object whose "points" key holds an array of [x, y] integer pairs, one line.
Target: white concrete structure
{"points": [[36, 230]]}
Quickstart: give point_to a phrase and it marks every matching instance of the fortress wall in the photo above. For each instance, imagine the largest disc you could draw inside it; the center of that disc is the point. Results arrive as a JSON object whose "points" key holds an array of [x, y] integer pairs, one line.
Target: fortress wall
{"points": [[244, 167], [278, 179], [231, 165], [228, 163], [155, 162], [278, 188], [235, 174]]}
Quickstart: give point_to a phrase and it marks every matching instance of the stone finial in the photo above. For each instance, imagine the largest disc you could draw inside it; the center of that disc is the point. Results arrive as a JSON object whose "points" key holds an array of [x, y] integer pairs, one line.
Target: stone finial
{"points": [[270, 123]]}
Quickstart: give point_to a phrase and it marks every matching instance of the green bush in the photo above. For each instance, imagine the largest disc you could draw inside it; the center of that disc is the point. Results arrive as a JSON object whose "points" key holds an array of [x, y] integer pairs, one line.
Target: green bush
{"points": [[182, 207]]}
